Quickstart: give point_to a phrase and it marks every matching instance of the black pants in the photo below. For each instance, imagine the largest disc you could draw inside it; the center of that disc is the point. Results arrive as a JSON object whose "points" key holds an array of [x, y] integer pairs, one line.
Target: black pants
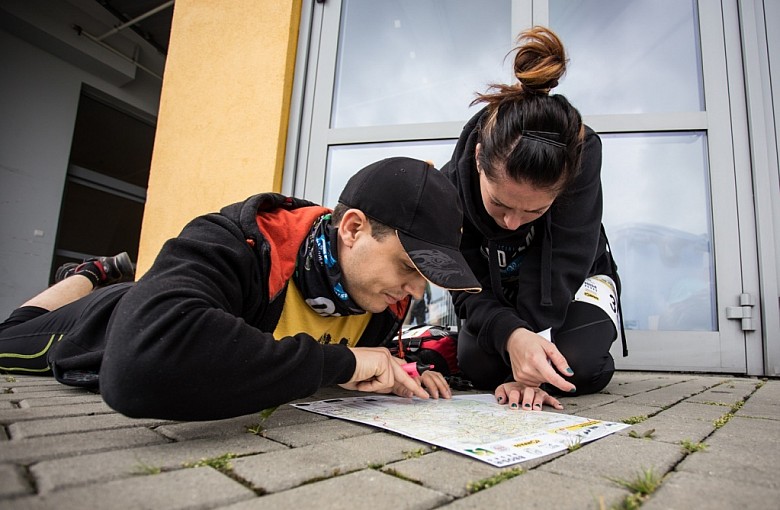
{"points": [[29, 334], [584, 340]]}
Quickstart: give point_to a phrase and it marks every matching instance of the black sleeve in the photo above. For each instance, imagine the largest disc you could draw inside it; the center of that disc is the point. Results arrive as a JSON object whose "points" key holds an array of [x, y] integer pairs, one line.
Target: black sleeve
{"points": [[183, 342]]}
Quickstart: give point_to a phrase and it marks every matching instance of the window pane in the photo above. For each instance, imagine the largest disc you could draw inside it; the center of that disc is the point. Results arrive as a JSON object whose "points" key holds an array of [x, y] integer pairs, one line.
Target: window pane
{"points": [[98, 223], [407, 61], [346, 160], [639, 56], [657, 215], [113, 143]]}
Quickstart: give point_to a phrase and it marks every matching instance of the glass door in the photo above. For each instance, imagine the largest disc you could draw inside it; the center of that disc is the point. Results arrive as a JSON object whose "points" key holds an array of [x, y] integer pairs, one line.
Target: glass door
{"points": [[649, 76], [396, 77]]}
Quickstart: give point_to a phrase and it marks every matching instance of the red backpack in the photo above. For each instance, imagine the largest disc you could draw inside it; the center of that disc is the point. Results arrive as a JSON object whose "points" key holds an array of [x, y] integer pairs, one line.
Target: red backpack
{"points": [[432, 345]]}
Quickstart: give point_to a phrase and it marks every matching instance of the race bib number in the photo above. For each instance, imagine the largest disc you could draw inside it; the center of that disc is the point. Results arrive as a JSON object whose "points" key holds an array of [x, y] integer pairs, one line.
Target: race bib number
{"points": [[600, 290]]}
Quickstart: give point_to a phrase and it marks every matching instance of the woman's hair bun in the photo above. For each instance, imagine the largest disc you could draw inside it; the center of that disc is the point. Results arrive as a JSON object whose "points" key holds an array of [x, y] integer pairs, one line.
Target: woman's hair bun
{"points": [[540, 60]]}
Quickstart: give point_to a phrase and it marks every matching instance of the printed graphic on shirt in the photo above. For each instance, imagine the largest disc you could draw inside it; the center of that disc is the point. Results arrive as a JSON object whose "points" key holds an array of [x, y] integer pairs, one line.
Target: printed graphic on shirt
{"points": [[510, 254], [298, 317]]}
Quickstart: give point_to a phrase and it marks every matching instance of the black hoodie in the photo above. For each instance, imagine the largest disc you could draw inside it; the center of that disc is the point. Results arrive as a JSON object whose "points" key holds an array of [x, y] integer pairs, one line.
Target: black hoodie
{"points": [[193, 339], [559, 250]]}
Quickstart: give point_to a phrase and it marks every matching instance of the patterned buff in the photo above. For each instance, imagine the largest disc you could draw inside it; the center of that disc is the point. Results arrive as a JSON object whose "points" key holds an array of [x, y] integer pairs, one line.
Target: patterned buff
{"points": [[318, 275]]}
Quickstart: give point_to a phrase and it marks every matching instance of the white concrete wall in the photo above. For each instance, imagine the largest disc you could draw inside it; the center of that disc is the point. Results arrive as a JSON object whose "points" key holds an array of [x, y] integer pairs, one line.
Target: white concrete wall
{"points": [[39, 94]]}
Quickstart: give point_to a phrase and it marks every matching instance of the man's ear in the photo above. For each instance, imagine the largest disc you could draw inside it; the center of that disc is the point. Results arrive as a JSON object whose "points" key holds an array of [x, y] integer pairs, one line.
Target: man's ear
{"points": [[353, 223]]}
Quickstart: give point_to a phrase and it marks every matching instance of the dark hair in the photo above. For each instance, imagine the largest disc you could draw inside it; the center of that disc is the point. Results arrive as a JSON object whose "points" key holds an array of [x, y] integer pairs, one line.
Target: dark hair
{"points": [[536, 138], [378, 230]]}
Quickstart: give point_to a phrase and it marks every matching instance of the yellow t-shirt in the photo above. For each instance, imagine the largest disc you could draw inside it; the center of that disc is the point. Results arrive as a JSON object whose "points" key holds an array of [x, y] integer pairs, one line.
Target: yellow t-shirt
{"points": [[298, 317]]}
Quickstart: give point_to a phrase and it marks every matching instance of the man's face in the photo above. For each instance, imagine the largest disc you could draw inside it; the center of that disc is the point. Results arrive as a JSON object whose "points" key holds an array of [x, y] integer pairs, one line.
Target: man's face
{"points": [[377, 274]]}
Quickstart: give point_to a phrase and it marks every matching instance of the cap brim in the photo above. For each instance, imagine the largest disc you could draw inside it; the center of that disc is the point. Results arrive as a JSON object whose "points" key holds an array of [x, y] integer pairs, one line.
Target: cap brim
{"points": [[442, 266]]}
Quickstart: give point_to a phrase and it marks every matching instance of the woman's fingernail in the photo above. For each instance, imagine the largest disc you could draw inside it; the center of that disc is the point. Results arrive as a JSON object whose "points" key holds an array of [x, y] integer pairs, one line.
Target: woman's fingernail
{"points": [[537, 405], [500, 400], [569, 370], [572, 390], [513, 405], [527, 405]]}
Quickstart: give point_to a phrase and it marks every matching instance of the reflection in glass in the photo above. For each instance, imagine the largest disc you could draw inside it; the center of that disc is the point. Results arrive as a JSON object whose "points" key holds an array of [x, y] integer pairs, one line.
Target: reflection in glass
{"points": [[658, 218], [641, 56], [346, 160], [411, 61]]}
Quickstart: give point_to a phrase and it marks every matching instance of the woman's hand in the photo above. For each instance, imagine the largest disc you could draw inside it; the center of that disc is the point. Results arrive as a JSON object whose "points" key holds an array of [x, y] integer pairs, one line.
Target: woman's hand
{"points": [[531, 356], [528, 398]]}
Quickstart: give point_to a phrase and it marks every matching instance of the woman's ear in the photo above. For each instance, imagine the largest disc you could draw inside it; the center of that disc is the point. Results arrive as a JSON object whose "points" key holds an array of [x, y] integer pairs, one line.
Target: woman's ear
{"points": [[353, 223]]}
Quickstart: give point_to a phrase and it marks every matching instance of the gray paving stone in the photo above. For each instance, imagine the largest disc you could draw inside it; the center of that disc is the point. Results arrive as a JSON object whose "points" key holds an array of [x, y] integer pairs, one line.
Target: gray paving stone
{"points": [[616, 457], [7, 405], [50, 447], [619, 411], [577, 405], [282, 417], [76, 457], [22, 381], [640, 385], [742, 431], [768, 393], [744, 450], [543, 490], [276, 471], [12, 482], [684, 491], [53, 426], [185, 488], [669, 395], [362, 489], [443, 471], [304, 434], [16, 415], [62, 391], [759, 410], [671, 429], [83, 469], [706, 412], [729, 392], [85, 398], [288, 415], [621, 377]]}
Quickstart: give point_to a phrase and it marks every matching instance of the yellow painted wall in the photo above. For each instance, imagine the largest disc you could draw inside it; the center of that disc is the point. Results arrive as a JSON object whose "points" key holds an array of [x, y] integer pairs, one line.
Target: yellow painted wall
{"points": [[222, 124]]}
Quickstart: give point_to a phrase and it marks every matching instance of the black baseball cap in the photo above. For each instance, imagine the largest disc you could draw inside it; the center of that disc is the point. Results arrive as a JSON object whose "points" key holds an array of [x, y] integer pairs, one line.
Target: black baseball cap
{"points": [[422, 205]]}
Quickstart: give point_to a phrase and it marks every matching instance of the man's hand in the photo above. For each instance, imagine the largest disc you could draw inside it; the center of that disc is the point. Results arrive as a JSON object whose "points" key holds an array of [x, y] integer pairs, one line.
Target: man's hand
{"points": [[376, 370], [529, 354], [433, 381]]}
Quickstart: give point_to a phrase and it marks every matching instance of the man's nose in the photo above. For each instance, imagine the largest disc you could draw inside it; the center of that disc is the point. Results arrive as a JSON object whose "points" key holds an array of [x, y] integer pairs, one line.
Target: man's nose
{"points": [[416, 287]]}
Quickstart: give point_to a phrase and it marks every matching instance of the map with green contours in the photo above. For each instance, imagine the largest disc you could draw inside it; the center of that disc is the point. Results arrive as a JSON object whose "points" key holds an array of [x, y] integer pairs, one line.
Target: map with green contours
{"points": [[474, 425]]}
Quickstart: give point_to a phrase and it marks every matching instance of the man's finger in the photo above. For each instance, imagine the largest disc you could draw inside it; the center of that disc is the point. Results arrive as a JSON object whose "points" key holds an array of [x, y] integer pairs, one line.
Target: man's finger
{"points": [[403, 378]]}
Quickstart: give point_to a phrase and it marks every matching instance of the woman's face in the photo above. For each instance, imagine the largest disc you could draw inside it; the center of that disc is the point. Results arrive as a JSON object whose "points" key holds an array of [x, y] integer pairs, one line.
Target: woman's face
{"points": [[512, 204]]}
